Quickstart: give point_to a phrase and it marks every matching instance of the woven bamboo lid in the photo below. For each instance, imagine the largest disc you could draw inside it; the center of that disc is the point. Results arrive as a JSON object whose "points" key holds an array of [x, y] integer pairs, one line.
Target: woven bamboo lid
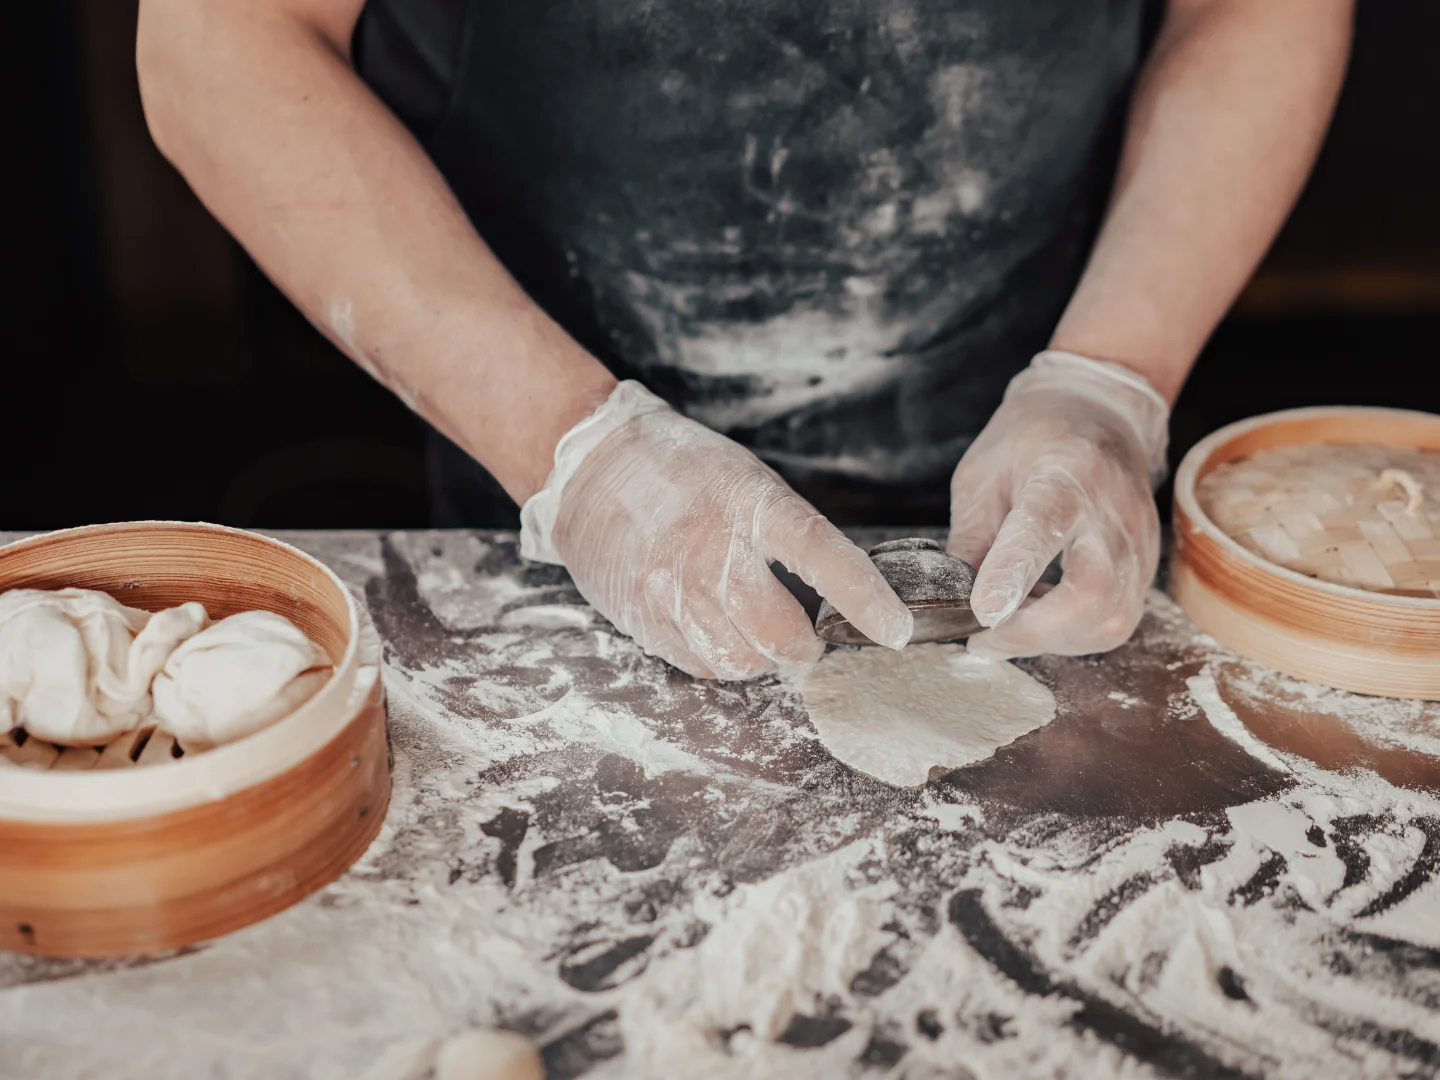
{"points": [[1361, 515]]}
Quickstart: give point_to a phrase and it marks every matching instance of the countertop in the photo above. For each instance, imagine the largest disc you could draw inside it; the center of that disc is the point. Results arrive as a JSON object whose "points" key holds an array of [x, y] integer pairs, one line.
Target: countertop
{"points": [[1199, 869]]}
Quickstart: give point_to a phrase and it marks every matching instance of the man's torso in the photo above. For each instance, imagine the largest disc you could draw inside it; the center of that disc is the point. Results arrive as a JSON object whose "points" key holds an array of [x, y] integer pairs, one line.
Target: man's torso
{"points": [[832, 231]]}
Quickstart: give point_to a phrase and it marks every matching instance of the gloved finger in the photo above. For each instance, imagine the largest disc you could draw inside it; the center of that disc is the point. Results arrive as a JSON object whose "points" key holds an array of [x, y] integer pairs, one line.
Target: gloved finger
{"points": [[768, 617], [796, 534], [671, 649], [714, 639], [1092, 610], [978, 505], [686, 661], [653, 623], [1036, 529]]}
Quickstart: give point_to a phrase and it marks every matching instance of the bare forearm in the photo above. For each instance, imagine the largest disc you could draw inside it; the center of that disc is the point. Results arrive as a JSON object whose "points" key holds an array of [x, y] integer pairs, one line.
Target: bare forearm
{"points": [[259, 108], [1227, 118]]}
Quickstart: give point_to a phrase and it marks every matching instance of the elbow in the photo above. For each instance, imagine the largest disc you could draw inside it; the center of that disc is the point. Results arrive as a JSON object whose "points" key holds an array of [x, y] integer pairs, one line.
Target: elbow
{"points": [[160, 51], [184, 59], [1344, 17]]}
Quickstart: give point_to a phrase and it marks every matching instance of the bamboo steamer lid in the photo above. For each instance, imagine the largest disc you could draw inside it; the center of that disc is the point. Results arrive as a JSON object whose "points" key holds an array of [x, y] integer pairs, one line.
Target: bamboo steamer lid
{"points": [[137, 846], [1306, 540], [1351, 515]]}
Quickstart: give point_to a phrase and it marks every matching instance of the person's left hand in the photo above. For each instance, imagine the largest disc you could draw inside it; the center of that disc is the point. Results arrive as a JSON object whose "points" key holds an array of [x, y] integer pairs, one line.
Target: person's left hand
{"points": [[1066, 466]]}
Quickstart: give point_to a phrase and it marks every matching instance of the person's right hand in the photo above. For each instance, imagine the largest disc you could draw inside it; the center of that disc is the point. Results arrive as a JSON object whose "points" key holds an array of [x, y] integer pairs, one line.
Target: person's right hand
{"points": [[669, 530]]}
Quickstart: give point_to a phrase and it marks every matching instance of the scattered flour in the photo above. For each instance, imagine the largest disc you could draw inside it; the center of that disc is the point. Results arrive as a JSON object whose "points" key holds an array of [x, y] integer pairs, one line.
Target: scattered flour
{"points": [[1385, 722], [1207, 696], [781, 947], [752, 913]]}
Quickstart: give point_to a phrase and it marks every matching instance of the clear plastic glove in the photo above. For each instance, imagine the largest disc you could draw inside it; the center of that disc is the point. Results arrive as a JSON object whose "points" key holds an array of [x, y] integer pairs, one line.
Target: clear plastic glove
{"points": [[669, 529], [1066, 466]]}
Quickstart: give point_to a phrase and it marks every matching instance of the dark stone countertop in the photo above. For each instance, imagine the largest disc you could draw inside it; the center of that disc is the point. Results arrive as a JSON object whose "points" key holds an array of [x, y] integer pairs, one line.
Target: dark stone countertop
{"points": [[1198, 870]]}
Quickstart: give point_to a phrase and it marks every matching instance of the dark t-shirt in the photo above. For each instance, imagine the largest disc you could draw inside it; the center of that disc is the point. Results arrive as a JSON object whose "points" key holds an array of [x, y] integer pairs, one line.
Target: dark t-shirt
{"points": [[832, 231]]}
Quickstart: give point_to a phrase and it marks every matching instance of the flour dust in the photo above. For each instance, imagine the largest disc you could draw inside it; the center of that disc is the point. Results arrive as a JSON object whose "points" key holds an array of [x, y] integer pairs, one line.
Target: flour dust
{"points": [[650, 876]]}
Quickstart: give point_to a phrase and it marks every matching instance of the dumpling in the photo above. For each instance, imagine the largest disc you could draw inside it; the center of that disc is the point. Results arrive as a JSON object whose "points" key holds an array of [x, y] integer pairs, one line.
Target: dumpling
{"points": [[76, 665], [236, 677]]}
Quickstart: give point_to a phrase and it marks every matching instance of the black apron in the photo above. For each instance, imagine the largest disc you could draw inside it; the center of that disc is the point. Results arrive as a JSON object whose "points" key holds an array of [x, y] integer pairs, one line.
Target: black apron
{"points": [[832, 231]]}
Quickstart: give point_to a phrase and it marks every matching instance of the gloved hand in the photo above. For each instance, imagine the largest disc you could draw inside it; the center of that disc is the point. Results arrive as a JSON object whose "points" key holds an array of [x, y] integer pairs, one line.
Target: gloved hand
{"points": [[669, 529], [1066, 466]]}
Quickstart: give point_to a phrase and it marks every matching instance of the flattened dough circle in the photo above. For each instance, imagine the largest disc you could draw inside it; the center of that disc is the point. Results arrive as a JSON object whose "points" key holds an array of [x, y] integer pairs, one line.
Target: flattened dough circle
{"points": [[896, 715]]}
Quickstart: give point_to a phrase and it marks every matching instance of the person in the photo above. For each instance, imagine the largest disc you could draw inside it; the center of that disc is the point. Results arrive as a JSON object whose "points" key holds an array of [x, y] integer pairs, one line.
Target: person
{"points": [[677, 276]]}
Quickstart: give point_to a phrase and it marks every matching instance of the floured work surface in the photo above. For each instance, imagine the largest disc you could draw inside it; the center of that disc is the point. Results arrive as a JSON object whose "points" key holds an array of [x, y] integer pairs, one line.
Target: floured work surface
{"points": [[1196, 869]]}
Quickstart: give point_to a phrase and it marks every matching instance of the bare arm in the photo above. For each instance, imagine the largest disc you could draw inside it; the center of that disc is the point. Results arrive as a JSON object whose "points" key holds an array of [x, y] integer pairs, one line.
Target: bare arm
{"points": [[1228, 115], [256, 103]]}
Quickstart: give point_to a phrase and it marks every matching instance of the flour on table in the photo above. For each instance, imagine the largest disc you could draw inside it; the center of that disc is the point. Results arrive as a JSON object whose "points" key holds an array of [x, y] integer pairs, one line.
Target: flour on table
{"points": [[652, 876], [895, 716], [1207, 696]]}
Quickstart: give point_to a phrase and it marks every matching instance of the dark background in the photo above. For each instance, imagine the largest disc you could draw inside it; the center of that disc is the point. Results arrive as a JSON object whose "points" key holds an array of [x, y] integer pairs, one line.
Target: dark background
{"points": [[150, 371]]}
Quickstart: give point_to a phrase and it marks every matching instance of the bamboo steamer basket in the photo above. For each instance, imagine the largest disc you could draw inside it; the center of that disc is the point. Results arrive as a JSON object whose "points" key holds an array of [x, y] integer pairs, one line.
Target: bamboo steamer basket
{"points": [[1351, 638], [140, 847]]}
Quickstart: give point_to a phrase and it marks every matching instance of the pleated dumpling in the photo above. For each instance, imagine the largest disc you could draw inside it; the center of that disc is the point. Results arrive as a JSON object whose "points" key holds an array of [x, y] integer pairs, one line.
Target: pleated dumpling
{"points": [[240, 675], [76, 665]]}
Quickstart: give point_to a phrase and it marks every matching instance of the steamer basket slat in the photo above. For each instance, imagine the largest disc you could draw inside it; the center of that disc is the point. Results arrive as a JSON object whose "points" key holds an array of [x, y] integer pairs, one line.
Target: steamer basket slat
{"points": [[138, 847], [1369, 642]]}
